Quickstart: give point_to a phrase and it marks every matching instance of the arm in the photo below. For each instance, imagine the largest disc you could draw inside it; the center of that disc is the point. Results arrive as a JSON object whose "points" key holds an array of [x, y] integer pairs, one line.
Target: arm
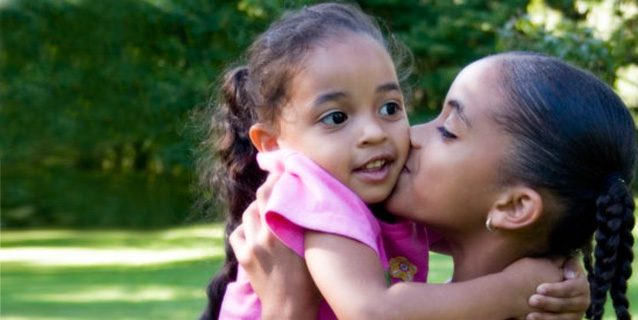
{"points": [[278, 276], [281, 280], [568, 299], [350, 277]]}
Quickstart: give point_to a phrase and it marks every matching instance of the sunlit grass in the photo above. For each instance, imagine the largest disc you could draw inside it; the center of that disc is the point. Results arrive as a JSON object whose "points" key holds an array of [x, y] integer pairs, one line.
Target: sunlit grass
{"points": [[83, 257], [104, 293], [102, 275], [107, 274], [109, 248]]}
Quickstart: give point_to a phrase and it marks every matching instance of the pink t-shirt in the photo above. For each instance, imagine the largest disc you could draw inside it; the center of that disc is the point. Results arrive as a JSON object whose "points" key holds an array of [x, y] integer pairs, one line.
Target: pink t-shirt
{"points": [[306, 197]]}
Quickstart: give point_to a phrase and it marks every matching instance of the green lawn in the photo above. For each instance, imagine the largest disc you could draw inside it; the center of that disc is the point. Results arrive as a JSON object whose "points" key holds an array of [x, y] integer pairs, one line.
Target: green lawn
{"points": [[107, 274], [97, 275]]}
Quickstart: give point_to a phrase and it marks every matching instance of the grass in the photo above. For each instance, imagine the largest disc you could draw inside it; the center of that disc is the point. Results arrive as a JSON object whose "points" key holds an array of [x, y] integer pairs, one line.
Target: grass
{"points": [[108, 274], [100, 275]]}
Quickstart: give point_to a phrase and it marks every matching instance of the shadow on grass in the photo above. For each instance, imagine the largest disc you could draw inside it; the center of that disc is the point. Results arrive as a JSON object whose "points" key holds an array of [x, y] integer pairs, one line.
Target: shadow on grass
{"points": [[170, 291]]}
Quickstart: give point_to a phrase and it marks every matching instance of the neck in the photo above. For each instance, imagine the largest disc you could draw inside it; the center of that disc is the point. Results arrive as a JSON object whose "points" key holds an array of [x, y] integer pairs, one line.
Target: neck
{"points": [[481, 254]]}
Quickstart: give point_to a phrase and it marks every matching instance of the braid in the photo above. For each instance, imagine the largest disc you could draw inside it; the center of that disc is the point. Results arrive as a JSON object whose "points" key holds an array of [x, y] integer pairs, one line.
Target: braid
{"points": [[573, 160], [625, 257], [613, 252], [237, 175]]}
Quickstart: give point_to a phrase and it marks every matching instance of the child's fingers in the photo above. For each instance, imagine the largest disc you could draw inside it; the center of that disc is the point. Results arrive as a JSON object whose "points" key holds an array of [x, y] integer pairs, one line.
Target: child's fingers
{"points": [[242, 238], [573, 268], [258, 237], [264, 191], [251, 221], [251, 240], [237, 240], [567, 299], [569, 288], [554, 316], [576, 304]]}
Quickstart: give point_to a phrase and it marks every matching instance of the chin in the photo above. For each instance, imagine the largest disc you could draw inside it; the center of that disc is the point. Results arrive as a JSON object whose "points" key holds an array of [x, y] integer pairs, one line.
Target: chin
{"points": [[375, 197]]}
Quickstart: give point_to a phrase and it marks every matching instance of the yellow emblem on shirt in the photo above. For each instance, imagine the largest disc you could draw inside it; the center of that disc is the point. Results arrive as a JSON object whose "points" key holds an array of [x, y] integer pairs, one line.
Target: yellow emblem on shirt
{"points": [[402, 268]]}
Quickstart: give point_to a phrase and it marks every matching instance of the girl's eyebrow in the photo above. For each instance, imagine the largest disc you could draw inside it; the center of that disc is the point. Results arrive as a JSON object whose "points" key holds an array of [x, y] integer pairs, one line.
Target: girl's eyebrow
{"points": [[330, 96], [336, 95], [391, 86], [459, 109]]}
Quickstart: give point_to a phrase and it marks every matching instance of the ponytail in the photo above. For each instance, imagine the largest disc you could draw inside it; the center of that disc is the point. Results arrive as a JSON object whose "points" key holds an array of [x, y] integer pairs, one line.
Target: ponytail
{"points": [[237, 175], [613, 252], [575, 139]]}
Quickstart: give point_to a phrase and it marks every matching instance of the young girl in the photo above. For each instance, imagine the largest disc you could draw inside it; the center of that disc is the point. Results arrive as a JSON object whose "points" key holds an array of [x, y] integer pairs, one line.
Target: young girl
{"points": [[543, 155], [322, 82]]}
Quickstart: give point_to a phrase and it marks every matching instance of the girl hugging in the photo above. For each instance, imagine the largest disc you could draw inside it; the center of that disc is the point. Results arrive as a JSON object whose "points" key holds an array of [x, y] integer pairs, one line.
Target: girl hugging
{"points": [[320, 100]]}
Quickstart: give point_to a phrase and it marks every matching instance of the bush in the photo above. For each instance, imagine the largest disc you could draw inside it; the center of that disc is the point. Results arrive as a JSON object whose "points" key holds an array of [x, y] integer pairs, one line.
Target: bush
{"points": [[96, 95]]}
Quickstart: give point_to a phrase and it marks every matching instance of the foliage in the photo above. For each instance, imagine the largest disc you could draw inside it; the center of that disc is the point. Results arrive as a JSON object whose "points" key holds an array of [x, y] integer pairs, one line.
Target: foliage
{"points": [[104, 88], [96, 95], [107, 84], [574, 41], [577, 45], [444, 36]]}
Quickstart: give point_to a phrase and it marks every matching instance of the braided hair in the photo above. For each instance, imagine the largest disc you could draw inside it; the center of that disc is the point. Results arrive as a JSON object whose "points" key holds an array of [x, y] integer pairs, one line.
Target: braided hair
{"points": [[613, 253], [256, 92], [575, 138]]}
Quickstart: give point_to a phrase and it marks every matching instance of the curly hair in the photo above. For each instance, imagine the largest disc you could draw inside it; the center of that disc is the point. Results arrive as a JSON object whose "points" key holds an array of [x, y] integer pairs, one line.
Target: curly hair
{"points": [[256, 92]]}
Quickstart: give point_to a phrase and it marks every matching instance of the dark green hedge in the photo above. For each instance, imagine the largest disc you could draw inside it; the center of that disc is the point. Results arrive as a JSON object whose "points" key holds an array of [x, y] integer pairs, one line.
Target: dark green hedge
{"points": [[96, 95]]}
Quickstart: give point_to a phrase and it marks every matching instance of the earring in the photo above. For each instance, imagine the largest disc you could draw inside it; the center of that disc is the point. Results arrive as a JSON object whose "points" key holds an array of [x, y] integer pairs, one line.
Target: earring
{"points": [[488, 224]]}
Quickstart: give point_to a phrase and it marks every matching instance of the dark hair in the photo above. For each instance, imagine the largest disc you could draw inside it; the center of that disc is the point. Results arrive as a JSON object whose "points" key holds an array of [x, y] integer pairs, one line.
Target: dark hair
{"points": [[575, 138], [256, 92]]}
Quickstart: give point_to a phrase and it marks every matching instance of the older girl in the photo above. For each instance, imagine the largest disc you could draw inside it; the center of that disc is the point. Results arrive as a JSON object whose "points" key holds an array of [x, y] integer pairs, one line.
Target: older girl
{"points": [[534, 156]]}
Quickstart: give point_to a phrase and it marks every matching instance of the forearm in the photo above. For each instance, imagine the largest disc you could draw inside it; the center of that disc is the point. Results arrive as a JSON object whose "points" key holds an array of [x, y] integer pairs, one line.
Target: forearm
{"points": [[293, 308], [484, 298], [350, 277], [489, 297]]}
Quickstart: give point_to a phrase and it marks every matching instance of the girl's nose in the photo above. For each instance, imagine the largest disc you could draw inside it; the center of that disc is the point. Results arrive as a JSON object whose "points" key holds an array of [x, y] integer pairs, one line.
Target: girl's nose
{"points": [[372, 133]]}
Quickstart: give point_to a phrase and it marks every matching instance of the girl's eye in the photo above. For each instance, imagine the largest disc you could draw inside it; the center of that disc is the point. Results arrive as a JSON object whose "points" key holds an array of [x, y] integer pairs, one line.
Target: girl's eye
{"points": [[445, 133], [389, 109], [334, 118]]}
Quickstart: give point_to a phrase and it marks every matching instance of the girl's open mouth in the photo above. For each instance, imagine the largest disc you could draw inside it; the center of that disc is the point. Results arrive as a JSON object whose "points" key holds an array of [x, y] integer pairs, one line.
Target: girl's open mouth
{"points": [[375, 170]]}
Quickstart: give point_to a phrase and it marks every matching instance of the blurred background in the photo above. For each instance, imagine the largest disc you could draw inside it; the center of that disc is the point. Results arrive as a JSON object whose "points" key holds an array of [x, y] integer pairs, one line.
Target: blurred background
{"points": [[98, 126]]}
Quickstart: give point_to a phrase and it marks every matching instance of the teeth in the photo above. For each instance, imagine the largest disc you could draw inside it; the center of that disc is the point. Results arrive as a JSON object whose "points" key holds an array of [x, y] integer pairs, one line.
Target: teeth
{"points": [[375, 164]]}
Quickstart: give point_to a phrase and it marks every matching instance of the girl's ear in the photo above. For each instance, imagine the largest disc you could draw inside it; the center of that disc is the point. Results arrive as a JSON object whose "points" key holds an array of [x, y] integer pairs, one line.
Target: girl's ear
{"points": [[517, 208], [263, 137]]}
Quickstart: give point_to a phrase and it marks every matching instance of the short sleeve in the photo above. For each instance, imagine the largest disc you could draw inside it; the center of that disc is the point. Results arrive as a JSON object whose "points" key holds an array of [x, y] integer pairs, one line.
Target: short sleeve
{"points": [[306, 197]]}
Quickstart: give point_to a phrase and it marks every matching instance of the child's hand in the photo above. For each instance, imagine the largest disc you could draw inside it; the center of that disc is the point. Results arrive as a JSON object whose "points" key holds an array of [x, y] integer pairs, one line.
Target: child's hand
{"points": [[568, 299], [524, 276], [278, 276]]}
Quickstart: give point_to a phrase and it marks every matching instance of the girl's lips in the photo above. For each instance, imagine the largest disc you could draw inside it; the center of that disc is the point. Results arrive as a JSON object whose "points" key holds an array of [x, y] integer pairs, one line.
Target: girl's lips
{"points": [[374, 171]]}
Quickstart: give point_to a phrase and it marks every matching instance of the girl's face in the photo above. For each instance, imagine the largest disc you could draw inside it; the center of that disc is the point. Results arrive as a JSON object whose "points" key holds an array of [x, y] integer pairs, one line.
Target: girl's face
{"points": [[452, 175], [346, 113]]}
